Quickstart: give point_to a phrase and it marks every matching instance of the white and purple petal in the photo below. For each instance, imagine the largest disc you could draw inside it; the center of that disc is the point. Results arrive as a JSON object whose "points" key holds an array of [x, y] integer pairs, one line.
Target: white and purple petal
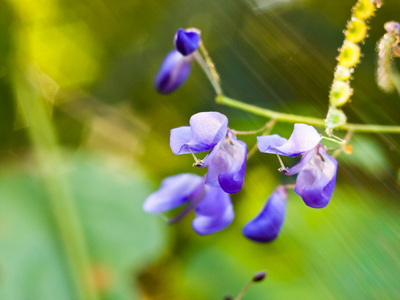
{"points": [[316, 181], [174, 191], [214, 212], [304, 138], [228, 167], [173, 72], [265, 227], [207, 129], [187, 41]]}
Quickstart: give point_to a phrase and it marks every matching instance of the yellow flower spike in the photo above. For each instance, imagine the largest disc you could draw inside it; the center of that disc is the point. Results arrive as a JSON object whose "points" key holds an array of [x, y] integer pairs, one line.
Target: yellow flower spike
{"points": [[342, 74], [364, 9], [340, 93], [356, 30], [349, 54]]}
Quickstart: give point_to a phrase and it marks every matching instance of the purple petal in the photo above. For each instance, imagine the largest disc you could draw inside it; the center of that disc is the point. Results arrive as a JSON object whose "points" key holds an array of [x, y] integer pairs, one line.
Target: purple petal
{"points": [[207, 129], [266, 226], [186, 42], [304, 138], [179, 137], [305, 160], [268, 143], [316, 182], [173, 72], [228, 167], [214, 212], [174, 191]]}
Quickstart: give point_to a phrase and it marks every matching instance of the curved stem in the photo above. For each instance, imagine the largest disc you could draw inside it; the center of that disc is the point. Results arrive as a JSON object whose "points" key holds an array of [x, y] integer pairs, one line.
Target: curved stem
{"points": [[289, 118]]}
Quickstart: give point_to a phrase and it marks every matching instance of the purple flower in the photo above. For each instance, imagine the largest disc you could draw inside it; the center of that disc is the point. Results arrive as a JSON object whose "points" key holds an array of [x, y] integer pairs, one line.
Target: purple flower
{"points": [[212, 206], [176, 66], [316, 170], [266, 226], [226, 160], [187, 41], [173, 72]]}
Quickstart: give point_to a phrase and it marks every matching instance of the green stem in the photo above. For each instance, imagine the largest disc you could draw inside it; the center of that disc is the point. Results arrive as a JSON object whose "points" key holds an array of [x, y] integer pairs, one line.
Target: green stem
{"points": [[52, 172], [289, 118]]}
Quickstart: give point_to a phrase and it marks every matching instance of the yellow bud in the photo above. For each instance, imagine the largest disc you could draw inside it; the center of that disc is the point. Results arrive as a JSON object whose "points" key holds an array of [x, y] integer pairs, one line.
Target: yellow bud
{"points": [[364, 9], [340, 93], [356, 30], [349, 54]]}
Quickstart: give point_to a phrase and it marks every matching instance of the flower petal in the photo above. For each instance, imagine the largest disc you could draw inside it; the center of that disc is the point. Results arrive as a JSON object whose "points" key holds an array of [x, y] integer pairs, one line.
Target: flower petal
{"points": [[266, 226], [228, 167], [316, 181], [207, 129], [268, 143], [214, 212], [174, 191], [304, 138], [186, 42], [173, 72], [304, 161]]}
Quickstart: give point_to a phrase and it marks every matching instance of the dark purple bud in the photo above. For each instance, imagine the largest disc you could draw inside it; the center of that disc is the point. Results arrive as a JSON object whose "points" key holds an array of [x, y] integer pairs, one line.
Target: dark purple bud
{"points": [[187, 41], [266, 226], [259, 276], [173, 72], [228, 297]]}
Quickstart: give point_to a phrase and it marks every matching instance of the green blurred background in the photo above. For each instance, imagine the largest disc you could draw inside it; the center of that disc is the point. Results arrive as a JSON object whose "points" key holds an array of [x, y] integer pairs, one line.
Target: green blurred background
{"points": [[85, 139]]}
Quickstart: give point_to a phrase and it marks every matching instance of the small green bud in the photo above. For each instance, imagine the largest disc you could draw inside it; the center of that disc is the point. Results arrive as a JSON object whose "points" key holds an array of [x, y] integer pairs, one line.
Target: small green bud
{"points": [[340, 93], [335, 118]]}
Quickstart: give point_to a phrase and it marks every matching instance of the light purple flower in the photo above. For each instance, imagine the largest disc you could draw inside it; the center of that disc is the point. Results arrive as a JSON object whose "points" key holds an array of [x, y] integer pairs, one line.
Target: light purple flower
{"points": [[265, 227], [316, 177], [226, 161], [316, 170], [173, 72], [187, 41], [212, 206]]}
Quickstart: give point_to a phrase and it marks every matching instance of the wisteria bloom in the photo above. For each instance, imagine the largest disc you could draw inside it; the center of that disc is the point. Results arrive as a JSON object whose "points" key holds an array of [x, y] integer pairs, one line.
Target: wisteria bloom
{"points": [[226, 161], [176, 66], [316, 170], [212, 206], [265, 227]]}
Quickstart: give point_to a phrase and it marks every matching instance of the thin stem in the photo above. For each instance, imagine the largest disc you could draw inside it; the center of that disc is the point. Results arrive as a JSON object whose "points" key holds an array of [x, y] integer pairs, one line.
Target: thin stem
{"points": [[289, 118], [268, 127], [244, 290], [208, 67]]}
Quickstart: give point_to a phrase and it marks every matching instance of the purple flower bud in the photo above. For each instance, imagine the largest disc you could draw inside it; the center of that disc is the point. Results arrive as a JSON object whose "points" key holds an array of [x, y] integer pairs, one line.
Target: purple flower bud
{"points": [[259, 276], [266, 226], [173, 72], [186, 42]]}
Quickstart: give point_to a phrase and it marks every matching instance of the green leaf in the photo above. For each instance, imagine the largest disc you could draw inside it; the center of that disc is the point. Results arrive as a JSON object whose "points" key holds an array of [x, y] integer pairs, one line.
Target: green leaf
{"points": [[121, 238]]}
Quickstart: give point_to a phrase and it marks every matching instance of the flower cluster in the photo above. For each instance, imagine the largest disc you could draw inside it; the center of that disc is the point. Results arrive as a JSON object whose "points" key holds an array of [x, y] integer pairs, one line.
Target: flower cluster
{"points": [[209, 196]]}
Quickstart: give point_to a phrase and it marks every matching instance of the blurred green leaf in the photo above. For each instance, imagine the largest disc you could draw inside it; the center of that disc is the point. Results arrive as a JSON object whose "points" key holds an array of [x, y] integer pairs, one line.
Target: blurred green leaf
{"points": [[121, 238]]}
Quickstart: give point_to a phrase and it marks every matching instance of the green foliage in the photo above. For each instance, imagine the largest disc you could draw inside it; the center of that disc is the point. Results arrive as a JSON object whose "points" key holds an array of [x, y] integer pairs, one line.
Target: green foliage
{"points": [[121, 238]]}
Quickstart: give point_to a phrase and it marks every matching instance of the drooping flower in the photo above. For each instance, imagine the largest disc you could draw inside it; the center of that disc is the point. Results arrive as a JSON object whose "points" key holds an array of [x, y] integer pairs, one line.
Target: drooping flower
{"points": [[173, 72], [212, 206], [226, 160], [316, 170], [176, 66], [266, 226]]}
